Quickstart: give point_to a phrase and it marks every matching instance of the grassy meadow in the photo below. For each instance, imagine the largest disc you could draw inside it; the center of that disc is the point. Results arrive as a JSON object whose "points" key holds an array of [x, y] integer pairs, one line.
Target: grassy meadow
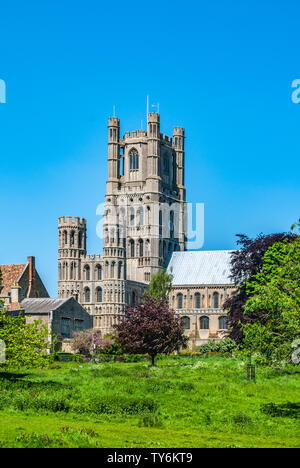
{"points": [[183, 402]]}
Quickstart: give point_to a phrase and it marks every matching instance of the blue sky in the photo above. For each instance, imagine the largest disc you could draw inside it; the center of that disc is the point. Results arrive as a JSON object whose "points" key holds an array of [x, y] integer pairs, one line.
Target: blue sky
{"points": [[222, 69]]}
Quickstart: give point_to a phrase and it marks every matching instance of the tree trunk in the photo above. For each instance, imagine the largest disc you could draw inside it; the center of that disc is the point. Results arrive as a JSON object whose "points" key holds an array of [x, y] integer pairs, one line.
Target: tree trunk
{"points": [[152, 360]]}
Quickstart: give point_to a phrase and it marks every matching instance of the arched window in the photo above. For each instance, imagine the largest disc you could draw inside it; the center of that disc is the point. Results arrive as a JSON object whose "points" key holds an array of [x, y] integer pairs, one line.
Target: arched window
{"points": [[87, 273], [72, 238], [132, 216], [79, 240], [134, 160], [223, 323], [171, 224], [141, 247], [65, 237], [112, 269], [132, 248], [204, 323], [87, 295], [197, 301], [160, 222], [133, 298], [140, 216], [186, 323], [119, 270], [99, 272], [216, 300], [179, 301], [99, 295], [72, 271]]}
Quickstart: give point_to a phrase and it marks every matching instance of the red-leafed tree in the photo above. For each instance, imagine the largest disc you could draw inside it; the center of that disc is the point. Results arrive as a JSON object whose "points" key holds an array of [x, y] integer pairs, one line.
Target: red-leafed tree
{"points": [[150, 327], [245, 264]]}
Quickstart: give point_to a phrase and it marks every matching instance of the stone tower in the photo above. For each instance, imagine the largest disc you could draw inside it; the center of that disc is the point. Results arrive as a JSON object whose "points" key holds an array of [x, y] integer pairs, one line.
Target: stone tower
{"points": [[144, 222]]}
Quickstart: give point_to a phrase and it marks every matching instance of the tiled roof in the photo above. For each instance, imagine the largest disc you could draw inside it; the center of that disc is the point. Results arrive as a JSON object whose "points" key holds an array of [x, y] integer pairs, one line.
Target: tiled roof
{"points": [[41, 305], [201, 267], [10, 275]]}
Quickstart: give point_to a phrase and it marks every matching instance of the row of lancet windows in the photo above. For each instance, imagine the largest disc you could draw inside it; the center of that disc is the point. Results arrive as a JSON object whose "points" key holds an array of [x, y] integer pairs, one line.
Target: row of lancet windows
{"points": [[204, 323], [114, 270], [98, 295], [216, 300], [69, 239]]}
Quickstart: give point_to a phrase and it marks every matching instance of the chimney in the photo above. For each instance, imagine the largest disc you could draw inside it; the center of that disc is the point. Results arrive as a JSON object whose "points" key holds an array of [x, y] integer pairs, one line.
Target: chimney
{"points": [[16, 295], [31, 288]]}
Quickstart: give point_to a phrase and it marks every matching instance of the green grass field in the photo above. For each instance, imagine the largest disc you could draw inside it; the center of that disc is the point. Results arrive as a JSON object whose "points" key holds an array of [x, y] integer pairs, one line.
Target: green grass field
{"points": [[183, 402]]}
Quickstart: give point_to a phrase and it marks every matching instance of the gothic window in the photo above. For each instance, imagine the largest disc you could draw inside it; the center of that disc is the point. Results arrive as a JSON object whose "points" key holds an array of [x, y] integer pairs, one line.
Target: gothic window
{"points": [[186, 323], [133, 298], [87, 295], [171, 224], [160, 222], [223, 323], [141, 247], [166, 166], [197, 301], [131, 216], [87, 273], [204, 323], [134, 160], [65, 237], [119, 270], [131, 248], [72, 238], [216, 300], [112, 270], [140, 215], [72, 271], [66, 327], [99, 272], [179, 301], [99, 295]]}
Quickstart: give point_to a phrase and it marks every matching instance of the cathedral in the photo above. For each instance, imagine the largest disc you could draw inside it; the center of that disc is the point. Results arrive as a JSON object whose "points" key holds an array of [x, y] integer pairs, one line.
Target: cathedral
{"points": [[144, 222]]}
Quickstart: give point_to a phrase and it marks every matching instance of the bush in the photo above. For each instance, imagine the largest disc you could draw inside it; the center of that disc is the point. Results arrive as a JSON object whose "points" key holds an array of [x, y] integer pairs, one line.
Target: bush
{"points": [[288, 410], [224, 346]]}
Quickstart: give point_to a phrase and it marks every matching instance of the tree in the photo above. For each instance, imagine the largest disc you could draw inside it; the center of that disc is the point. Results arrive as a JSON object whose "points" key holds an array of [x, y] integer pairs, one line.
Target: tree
{"points": [[150, 327], [26, 344], [160, 285], [275, 293], [296, 226], [88, 341], [245, 264]]}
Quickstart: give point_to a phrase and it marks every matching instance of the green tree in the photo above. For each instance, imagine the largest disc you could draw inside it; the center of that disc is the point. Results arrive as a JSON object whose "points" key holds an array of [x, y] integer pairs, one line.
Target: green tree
{"points": [[275, 292], [160, 285], [26, 344]]}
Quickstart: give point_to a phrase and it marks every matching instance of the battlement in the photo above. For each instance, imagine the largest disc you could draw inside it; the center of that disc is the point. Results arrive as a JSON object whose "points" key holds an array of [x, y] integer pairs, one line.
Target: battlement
{"points": [[69, 222], [178, 131], [135, 134], [153, 117], [166, 138], [113, 122], [91, 257]]}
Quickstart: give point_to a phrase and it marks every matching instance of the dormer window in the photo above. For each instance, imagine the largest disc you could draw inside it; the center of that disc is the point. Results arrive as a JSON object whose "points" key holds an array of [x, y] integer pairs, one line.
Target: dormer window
{"points": [[134, 160]]}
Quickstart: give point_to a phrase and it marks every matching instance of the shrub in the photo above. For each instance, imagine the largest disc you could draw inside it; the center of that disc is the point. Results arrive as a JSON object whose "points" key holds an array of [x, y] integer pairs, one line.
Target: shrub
{"points": [[224, 346], [289, 410]]}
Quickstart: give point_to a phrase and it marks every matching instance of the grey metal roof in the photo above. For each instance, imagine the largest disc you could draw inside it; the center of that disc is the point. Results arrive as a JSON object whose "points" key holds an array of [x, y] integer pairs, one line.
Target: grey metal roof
{"points": [[42, 305], [201, 267]]}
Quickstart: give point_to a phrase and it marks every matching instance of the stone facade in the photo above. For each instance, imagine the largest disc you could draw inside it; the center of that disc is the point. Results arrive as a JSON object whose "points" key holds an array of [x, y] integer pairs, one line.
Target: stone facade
{"points": [[144, 222]]}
